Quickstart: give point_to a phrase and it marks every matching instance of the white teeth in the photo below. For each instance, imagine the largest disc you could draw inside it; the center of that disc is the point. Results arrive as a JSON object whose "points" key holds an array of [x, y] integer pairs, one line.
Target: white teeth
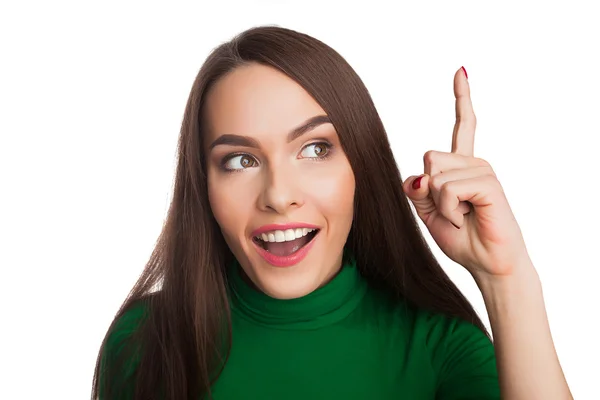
{"points": [[284, 236], [279, 236], [290, 234]]}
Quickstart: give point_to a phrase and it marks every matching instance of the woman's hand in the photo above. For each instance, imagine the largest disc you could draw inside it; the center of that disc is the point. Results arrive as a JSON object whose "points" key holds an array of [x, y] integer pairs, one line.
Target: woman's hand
{"points": [[462, 203]]}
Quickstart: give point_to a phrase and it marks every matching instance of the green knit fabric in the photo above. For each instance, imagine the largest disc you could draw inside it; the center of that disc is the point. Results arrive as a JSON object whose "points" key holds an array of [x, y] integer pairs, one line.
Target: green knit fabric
{"points": [[345, 340]]}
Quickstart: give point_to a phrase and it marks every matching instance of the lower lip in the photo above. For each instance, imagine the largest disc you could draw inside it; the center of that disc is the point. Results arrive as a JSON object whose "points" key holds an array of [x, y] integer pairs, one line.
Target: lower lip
{"points": [[286, 261]]}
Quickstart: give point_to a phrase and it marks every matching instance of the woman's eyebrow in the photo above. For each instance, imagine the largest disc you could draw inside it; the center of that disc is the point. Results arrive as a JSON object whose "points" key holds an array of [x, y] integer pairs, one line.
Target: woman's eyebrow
{"points": [[307, 126], [246, 141]]}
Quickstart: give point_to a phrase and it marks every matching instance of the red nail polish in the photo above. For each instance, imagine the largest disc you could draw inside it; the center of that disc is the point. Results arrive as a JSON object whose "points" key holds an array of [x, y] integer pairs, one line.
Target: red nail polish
{"points": [[417, 183], [465, 71]]}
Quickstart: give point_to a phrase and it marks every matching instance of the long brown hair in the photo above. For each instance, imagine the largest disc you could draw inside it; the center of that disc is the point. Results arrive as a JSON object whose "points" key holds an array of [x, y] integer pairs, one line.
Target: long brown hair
{"points": [[185, 337]]}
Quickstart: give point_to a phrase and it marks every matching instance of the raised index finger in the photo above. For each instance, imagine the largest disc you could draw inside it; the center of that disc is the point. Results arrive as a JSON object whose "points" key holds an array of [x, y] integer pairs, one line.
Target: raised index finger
{"points": [[463, 137]]}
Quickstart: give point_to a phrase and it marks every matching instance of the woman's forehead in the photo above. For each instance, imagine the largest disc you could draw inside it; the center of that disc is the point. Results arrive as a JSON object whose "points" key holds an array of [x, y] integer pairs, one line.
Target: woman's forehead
{"points": [[257, 99]]}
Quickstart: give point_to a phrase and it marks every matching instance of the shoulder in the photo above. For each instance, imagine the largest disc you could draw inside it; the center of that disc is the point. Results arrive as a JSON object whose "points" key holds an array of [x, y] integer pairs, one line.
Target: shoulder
{"points": [[449, 337], [127, 325], [128, 321], [438, 328], [461, 354], [429, 326], [120, 354]]}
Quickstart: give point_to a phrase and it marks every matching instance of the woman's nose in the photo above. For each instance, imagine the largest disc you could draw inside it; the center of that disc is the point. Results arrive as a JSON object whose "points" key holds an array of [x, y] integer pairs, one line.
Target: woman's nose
{"points": [[281, 190]]}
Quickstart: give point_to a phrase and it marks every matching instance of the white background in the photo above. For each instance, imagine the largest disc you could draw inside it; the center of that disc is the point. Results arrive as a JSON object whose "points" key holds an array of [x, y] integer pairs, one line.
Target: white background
{"points": [[91, 102]]}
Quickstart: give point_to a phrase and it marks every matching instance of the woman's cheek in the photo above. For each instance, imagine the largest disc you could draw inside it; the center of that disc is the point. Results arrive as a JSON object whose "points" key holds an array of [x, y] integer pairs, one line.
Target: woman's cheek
{"points": [[232, 197], [222, 202], [334, 185]]}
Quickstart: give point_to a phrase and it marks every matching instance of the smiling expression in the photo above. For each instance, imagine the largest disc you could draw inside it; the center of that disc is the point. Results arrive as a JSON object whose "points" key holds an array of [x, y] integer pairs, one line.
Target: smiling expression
{"points": [[276, 170]]}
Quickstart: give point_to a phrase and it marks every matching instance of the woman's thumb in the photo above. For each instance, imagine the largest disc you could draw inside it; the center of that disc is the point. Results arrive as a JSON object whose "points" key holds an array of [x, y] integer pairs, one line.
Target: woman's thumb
{"points": [[417, 190]]}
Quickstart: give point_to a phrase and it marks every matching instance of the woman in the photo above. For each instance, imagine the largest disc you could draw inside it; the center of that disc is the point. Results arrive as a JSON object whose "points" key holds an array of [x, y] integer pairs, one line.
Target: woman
{"points": [[291, 264]]}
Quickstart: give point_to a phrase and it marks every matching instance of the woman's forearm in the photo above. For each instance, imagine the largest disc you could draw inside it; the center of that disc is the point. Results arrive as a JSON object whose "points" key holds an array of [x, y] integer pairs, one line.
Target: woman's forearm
{"points": [[528, 366]]}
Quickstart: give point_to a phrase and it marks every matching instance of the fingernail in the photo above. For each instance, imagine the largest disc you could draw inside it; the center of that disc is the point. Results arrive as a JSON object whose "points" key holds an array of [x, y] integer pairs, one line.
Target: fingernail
{"points": [[417, 183], [465, 71]]}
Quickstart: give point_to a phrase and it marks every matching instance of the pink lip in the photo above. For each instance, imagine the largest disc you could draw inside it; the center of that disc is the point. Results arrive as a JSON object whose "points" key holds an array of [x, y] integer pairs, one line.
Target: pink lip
{"points": [[282, 227], [287, 261]]}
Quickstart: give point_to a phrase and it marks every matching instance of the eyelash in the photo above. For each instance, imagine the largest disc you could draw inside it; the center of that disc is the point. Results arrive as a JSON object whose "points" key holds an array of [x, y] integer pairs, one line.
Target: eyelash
{"points": [[328, 146]]}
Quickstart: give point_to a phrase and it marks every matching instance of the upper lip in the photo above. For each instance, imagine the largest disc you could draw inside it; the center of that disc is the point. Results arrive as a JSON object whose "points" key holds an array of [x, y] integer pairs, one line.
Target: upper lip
{"points": [[282, 227]]}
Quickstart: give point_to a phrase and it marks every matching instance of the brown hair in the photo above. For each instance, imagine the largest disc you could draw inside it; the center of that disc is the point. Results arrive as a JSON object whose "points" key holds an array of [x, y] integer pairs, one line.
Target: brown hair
{"points": [[186, 335]]}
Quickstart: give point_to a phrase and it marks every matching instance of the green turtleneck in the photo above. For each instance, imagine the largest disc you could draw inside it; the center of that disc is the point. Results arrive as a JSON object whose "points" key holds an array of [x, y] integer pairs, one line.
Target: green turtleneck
{"points": [[347, 340]]}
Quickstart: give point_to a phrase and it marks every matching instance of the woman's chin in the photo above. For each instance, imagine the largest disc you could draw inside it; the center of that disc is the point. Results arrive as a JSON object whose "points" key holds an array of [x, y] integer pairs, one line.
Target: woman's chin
{"points": [[287, 289]]}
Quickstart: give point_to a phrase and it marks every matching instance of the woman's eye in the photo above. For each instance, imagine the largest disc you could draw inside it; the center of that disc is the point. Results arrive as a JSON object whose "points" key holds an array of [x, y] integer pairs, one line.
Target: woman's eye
{"points": [[315, 150], [241, 161]]}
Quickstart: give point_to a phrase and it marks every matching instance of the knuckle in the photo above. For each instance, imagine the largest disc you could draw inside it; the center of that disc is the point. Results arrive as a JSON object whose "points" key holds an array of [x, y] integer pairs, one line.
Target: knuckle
{"points": [[436, 182], [446, 189], [429, 157], [487, 167], [482, 162]]}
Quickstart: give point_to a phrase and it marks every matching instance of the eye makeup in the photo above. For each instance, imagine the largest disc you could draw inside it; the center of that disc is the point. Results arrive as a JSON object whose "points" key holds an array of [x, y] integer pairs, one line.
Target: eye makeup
{"points": [[321, 142]]}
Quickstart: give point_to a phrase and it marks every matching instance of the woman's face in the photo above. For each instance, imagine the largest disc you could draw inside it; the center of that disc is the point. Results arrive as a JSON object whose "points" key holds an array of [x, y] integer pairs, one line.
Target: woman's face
{"points": [[272, 178]]}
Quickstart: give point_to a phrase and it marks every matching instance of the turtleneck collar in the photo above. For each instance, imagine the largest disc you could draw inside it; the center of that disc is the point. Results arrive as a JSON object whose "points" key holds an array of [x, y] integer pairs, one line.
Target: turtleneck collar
{"points": [[324, 306]]}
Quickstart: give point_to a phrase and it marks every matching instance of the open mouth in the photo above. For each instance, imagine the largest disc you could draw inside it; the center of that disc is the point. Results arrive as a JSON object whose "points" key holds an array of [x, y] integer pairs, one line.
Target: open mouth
{"points": [[285, 246]]}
